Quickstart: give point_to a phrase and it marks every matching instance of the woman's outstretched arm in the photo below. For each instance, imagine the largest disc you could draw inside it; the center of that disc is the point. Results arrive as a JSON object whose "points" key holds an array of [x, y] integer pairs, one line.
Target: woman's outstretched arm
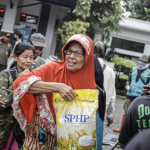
{"points": [[52, 87]]}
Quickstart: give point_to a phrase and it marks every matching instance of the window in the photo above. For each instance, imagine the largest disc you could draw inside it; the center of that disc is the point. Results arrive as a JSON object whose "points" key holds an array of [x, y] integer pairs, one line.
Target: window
{"points": [[29, 18], [127, 45], [2, 11]]}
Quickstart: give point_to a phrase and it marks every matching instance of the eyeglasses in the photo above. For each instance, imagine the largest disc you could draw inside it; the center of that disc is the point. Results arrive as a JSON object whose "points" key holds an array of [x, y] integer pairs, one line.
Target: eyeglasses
{"points": [[76, 53], [38, 48]]}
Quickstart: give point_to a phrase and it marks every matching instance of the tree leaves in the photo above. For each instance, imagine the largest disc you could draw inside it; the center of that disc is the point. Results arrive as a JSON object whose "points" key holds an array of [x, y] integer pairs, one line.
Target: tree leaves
{"points": [[140, 9], [105, 13], [70, 28]]}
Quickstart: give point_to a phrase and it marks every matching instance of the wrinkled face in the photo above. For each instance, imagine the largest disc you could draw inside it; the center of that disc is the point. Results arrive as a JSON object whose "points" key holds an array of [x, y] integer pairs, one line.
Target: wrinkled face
{"points": [[25, 60], [74, 63], [38, 50]]}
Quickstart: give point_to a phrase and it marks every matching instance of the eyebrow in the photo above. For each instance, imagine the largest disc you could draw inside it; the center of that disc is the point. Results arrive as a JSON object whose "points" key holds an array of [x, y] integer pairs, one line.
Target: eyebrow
{"points": [[76, 50], [27, 55]]}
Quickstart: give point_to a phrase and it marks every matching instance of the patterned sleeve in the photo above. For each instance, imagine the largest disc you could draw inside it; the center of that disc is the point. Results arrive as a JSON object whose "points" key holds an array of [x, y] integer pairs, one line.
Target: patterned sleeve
{"points": [[42, 104], [6, 89]]}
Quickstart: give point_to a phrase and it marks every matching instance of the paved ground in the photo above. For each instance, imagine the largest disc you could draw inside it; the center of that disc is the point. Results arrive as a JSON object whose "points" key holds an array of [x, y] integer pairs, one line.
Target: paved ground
{"points": [[117, 119]]}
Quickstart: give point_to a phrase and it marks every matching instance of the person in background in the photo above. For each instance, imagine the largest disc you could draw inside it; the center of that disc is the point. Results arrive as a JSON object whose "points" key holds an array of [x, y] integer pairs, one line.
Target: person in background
{"points": [[137, 119], [109, 80], [39, 43], [140, 141], [5, 50], [17, 36], [24, 57], [138, 78]]}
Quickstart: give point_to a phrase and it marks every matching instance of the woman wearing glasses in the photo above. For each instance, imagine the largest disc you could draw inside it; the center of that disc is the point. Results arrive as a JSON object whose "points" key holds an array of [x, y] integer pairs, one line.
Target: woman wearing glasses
{"points": [[35, 111]]}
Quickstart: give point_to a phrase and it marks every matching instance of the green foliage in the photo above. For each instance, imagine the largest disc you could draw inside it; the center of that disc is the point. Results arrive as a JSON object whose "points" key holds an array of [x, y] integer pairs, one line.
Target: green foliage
{"points": [[70, 28], [121, 93], [123, 77], [118, 61], [105, 13], [120, 96], [140, 9], [128, 64]]}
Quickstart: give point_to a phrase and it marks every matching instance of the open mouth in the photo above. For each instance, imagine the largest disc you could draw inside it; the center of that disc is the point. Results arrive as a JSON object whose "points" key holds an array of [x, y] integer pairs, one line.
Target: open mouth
{"points": [[71, 63]]}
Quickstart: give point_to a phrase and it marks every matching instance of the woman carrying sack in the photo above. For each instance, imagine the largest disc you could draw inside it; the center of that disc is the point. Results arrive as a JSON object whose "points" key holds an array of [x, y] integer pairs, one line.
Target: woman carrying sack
{"points": [[35, 111]]}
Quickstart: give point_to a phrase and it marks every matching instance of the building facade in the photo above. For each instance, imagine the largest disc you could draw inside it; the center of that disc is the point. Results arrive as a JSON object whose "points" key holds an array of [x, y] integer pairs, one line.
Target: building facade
{"points": [[130, 43]]}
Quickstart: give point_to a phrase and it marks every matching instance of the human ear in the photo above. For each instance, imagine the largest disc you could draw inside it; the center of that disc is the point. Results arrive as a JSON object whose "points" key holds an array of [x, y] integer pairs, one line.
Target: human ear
{"points": [[15, 57]]}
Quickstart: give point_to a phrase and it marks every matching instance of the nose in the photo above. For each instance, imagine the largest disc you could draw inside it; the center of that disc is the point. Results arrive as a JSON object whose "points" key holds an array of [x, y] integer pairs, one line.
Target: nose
{"points": [[72, 55], [37, 50], [29, 60]]}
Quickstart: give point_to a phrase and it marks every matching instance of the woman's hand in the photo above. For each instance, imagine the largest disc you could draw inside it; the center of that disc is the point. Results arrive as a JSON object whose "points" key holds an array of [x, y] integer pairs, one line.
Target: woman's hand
{"points": [[66, 92], [2, 104], [110, 120], [53, 87], [127, 87]]}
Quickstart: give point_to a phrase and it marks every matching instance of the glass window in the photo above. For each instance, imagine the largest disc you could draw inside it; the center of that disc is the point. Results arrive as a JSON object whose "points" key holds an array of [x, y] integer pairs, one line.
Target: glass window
{"points": [[138, 47], [116, 42], [128, 45]]}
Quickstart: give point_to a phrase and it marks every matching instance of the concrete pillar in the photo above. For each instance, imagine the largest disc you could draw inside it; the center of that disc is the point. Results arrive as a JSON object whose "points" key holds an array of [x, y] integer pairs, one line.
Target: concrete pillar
{"points": [[10, 17], [50, 31], [20, 3], [53, 45]]}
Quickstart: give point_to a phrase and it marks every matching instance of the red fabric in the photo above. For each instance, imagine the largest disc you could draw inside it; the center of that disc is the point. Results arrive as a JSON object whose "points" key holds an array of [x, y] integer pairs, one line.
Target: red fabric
{"points": [[57, 72]]}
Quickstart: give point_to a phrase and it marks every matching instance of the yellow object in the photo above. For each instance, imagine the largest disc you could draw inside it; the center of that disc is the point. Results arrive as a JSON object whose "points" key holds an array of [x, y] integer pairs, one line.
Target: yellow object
{"points": [[8, 34], [76, 120], [8, 45]]}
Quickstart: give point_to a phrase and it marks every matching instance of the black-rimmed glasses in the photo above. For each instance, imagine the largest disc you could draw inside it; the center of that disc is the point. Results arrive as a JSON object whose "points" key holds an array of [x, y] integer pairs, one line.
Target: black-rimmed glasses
{"points": [[76, 53]]}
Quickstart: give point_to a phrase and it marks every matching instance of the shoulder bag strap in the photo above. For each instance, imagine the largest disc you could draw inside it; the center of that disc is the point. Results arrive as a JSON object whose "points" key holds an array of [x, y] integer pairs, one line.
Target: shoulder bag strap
{"points": [[142, 81], [13, 74]]}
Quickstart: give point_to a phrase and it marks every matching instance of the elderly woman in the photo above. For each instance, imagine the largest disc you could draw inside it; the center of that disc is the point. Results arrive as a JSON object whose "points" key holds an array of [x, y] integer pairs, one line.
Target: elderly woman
{"points": [[76, 71], [23, 55]]}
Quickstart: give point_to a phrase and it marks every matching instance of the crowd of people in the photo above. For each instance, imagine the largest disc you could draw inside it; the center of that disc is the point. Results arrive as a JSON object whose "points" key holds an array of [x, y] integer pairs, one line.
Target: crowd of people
{"points": [[27, 84]]}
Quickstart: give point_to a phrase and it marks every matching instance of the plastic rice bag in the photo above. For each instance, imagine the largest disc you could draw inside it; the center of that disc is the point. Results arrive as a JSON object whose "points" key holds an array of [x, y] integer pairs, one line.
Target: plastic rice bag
{"points": [[76, 120]]}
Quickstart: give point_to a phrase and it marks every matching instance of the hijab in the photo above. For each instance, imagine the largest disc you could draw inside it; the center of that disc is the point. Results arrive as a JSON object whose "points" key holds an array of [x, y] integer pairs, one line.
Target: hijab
{"points": [[57, 72]]}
